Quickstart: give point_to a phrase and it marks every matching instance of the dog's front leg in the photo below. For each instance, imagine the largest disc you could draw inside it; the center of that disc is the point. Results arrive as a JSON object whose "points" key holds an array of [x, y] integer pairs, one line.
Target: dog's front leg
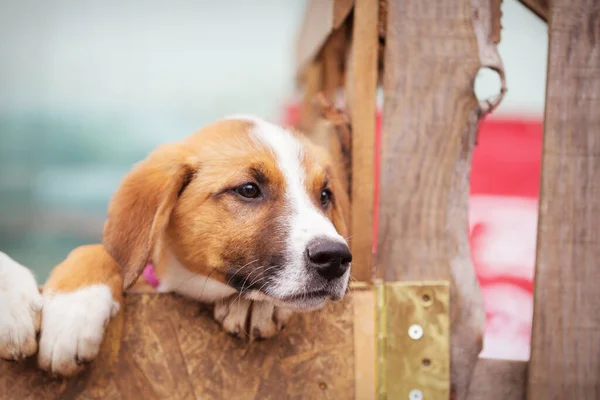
{"points": [[20, 310], [82, 294]]}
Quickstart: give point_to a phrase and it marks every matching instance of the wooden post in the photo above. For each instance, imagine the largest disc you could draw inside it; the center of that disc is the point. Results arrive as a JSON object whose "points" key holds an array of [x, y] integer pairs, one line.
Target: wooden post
{"points": [[433, 52], [565, 345], [361, 94]]}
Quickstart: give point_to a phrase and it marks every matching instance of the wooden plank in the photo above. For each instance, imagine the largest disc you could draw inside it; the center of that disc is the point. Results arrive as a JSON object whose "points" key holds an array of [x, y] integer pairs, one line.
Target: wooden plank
{"points": [[332, 131], [430, 119], [565, 346], [320, 19], [361, 102], [165, 347], [538, 7], [415, 341], [314, 31], [313, 84], [341, 10], [365, 334], [498, 380], [333, 55]]}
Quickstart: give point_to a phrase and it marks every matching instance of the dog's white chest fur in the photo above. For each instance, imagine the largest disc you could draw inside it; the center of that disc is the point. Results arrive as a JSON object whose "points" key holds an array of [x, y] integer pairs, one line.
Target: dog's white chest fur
{"points": [[178, 279]]}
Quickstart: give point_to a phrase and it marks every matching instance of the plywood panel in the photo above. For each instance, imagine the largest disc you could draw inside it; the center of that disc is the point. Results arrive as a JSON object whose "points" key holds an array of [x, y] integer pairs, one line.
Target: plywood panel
{"points": [[163, 347], [565, 347]]}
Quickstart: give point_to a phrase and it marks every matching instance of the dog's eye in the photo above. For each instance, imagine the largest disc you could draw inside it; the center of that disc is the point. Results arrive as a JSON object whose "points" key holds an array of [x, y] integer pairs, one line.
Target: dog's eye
{"points": [[248, 190], [325, 198]]}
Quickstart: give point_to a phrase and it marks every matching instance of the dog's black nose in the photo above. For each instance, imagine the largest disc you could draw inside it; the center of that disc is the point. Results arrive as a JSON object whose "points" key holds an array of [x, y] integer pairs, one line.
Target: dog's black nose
{"points": [[330, 257]]}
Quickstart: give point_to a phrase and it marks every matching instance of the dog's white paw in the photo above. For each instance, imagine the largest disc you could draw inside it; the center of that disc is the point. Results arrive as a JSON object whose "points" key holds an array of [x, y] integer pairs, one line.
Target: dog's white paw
{"points": [[73, 325], [246, 318], [20, 309]]}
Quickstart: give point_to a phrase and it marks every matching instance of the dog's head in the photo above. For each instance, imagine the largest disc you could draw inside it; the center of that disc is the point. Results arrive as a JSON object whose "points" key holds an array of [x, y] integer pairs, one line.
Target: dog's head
{"points": [[243, 201]]}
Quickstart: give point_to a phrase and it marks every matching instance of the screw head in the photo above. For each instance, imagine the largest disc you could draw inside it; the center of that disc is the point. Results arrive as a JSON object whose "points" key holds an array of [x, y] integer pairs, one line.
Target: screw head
{"points": [[415, 332], [415, 394]]}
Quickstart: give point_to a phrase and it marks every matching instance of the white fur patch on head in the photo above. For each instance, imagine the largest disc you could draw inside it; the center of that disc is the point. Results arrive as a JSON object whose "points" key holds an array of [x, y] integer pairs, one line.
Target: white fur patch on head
{"points": [[305, 221], [20, 309], [73, 326]]}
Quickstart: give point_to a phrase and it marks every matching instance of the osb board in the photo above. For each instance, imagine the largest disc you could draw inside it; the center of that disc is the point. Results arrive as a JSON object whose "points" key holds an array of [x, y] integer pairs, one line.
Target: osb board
{"points": [[417, 362], [565, 345], [168, 347]]}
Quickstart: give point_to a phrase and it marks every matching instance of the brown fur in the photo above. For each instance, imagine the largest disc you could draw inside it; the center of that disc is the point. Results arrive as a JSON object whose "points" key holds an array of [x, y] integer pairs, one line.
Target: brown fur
{"points": [[85, 266], [178, 199]]}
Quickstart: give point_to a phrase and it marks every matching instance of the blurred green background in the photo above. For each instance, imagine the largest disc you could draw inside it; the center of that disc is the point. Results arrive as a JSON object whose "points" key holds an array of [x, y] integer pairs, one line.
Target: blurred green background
{"points": [[87, 88]]}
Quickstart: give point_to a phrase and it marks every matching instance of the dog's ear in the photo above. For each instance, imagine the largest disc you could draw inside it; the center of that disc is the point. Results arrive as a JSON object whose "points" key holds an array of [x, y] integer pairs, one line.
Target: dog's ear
{"points": [[139, 211]]}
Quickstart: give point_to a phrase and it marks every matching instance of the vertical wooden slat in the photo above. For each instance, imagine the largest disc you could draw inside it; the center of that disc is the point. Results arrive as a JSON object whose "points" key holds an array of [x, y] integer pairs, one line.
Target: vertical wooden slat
{"points": [[365, 336], [333, 60], [565, 345], [361, 93], [313, 84], [433, 52]]}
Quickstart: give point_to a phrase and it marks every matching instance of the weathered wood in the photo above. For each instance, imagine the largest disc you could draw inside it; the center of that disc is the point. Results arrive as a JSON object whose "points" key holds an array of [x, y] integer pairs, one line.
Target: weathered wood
{"points": [[565, 345], [433, 52], [332, 131], [320, 19], [415, 340], [365, 350], [313, 84], [361, 96], [496, 8], [333, 55], [164, 347], [498, 380], [538, 7], [341, 10]]}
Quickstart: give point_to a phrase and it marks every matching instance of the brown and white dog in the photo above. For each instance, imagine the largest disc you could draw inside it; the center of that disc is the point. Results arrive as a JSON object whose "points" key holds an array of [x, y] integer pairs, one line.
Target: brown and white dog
{"points": [[243, 214]]}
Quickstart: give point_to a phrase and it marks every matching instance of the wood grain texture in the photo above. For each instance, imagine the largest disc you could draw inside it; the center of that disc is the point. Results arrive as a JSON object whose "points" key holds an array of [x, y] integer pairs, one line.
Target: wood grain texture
{"points": [[565, 346], [421, 363], [498, 380], [430, 120], [361, 95], [163, 347], [365, 334]]}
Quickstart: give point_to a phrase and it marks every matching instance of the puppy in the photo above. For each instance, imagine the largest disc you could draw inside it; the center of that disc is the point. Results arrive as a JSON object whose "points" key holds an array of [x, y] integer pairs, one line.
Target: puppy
{"points": [[243, 214]]}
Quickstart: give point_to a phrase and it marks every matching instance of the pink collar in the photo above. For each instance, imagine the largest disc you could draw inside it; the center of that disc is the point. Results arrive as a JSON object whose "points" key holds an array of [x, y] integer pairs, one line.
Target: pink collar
{"points": [[150, 275]]}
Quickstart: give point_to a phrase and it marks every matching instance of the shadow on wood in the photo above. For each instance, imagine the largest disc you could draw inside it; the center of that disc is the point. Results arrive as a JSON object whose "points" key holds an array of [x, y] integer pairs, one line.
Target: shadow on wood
{"points": [[162, 346]]}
